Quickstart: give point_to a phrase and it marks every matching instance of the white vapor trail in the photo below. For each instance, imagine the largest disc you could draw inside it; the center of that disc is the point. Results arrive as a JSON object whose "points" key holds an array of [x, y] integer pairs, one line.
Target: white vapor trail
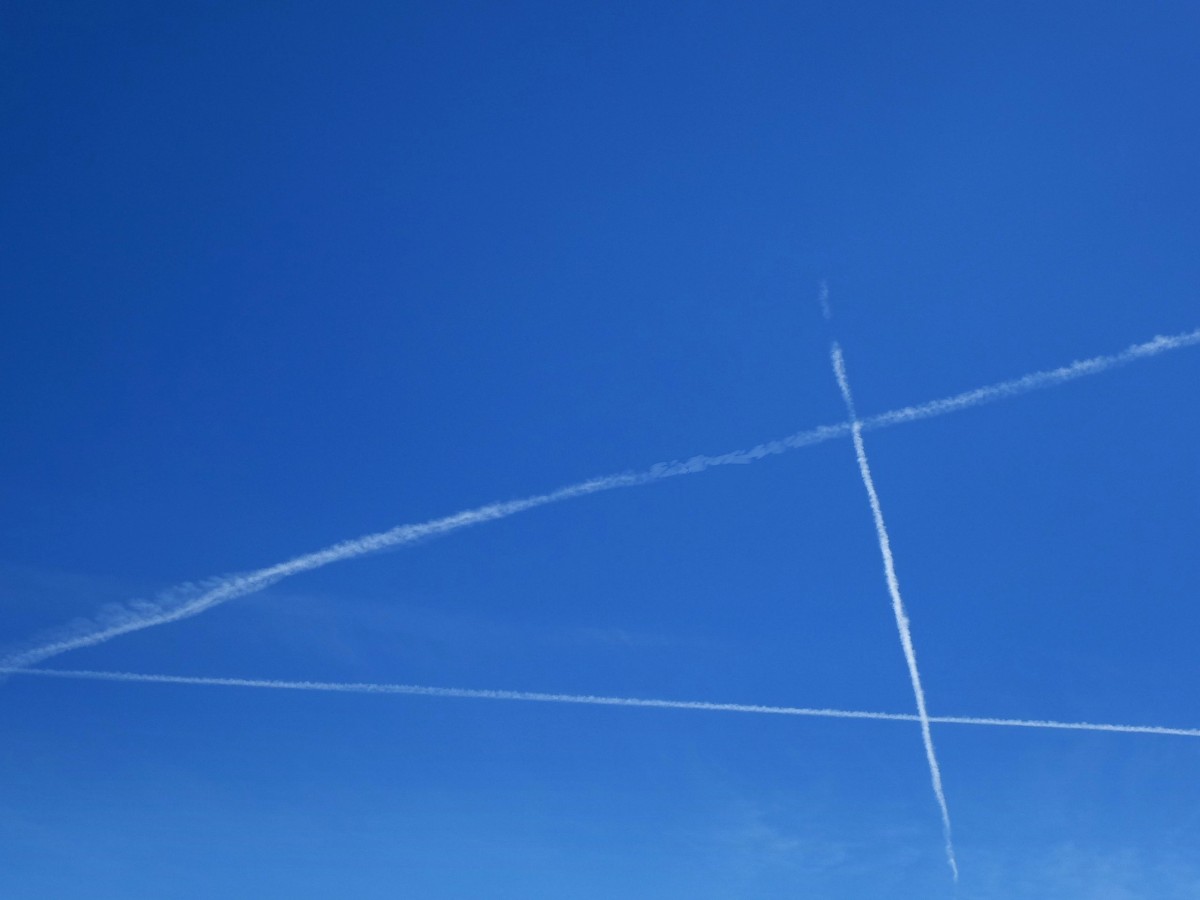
{"points": [[590, 700], [1034, 381], [893, 584], [191, 599]]}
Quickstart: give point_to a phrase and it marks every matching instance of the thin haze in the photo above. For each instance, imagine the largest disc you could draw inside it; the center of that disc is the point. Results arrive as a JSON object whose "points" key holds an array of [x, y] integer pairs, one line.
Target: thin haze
{"points": [[893, 584], [189, 600]]}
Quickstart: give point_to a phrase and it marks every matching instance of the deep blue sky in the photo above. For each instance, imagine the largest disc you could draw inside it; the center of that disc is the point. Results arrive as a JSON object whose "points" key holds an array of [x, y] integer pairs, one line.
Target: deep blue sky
{"points": [[279, 274]]}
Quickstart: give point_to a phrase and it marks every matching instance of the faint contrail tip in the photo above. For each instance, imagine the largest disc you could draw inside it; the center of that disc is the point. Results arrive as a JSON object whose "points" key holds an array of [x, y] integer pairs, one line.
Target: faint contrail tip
{"points": [[823, 298]]}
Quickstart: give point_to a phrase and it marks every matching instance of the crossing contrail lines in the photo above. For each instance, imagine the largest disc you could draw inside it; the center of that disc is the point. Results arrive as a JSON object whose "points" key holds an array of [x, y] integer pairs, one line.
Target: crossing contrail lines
{"points": [[338, 687], [192, 599], [893, 584]]}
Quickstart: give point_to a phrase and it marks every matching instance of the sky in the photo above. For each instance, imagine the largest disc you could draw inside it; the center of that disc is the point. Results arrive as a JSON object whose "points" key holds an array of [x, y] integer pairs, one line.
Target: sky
{"points": [[280, 275]]}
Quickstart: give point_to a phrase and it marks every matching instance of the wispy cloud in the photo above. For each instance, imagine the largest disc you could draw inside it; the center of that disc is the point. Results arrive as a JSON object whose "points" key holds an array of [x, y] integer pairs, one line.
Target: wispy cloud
{"points": [[893, 584], [340, 687], [192, 599]]}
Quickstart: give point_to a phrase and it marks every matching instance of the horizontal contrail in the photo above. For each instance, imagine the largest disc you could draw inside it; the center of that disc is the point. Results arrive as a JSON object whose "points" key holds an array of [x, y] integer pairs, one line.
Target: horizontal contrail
{"points": [[893, 584], [587, 700], [191, 599]]}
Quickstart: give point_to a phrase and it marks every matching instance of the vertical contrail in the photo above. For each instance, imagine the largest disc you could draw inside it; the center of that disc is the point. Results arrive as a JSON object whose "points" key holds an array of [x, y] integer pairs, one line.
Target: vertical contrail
{"points": [[889, 570]]}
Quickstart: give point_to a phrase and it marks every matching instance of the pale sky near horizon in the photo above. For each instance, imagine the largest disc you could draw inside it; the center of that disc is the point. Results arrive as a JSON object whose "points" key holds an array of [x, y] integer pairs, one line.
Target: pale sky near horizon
{"points": [[283, 275]]}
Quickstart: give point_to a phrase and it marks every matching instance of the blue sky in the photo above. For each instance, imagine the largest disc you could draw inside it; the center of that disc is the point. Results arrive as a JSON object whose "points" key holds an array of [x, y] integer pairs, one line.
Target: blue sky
{"points": [[278, 275]]}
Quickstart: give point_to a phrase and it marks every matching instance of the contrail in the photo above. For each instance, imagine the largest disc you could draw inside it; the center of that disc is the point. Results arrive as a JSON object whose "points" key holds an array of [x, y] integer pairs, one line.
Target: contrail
{"points": [[424, 691], [1034, 381], [590, 700], [191, 599], [889, 569]]}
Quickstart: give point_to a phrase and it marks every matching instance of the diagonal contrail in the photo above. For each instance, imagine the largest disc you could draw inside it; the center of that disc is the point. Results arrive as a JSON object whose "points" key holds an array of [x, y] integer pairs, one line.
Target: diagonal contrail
{"points": [[192, 599], [1033, 381], [342, 687], [893, 584]]}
